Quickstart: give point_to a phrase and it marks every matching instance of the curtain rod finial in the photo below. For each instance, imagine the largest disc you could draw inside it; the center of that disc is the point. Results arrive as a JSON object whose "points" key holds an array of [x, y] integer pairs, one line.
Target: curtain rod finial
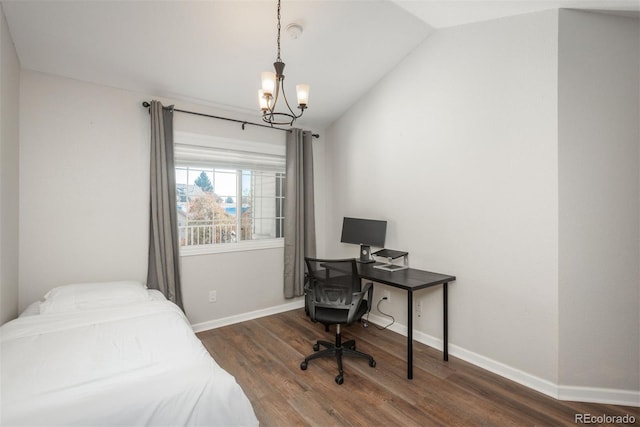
{"points": [[145, 104]]}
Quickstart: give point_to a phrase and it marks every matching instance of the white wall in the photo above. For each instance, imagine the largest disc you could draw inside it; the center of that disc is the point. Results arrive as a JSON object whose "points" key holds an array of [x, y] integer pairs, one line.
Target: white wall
{"points": [[457, 149], [599, 150], [506, 153], [84, 204], [83, 184], [9, 183]]}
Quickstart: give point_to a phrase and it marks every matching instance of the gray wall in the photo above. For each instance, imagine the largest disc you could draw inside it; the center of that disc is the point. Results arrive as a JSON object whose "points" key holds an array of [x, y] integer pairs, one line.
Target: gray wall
{"points": [[599, 151], [9, 183]]}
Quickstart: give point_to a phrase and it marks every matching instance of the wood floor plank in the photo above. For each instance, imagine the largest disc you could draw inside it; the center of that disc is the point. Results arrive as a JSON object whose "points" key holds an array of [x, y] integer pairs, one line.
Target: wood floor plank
{"points": [[264, 356]]}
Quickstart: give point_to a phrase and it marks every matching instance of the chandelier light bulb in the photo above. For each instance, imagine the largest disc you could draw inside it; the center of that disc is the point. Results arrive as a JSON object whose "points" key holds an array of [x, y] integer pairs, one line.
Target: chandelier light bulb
{"points": [[264, 102], [302, 91], [268, 82]]}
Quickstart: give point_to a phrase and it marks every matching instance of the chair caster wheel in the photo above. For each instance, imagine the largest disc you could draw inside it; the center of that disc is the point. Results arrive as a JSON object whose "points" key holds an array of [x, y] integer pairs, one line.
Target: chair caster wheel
{"points": [[316, 347], [339, 379], [303, 366], [372, 363]]}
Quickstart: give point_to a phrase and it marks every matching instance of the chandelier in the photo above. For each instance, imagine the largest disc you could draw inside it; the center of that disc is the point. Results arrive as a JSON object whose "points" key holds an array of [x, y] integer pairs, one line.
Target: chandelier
{"points": [[273, 89]]}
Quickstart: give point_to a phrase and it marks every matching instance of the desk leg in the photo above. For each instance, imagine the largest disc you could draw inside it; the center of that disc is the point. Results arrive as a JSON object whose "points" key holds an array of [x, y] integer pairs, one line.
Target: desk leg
{"points": [[445, 347], [410, 335]]}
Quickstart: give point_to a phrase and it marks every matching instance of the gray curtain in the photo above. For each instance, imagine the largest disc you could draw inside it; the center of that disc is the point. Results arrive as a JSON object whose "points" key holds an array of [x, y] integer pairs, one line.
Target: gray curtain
{"points": [[164, 259], [299, 218]]}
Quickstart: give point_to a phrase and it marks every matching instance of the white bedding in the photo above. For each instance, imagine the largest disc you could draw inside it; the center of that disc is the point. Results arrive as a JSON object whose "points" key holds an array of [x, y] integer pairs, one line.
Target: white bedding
{"points": [[130, 365]]}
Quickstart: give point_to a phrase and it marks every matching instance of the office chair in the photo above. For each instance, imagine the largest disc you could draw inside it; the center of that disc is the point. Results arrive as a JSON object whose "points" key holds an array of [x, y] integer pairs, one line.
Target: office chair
{"points": [[334, 297]]}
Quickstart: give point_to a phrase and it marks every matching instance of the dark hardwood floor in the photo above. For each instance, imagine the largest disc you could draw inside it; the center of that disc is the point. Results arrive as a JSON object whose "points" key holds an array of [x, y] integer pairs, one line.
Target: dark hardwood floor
{"points": [[265, 354]]}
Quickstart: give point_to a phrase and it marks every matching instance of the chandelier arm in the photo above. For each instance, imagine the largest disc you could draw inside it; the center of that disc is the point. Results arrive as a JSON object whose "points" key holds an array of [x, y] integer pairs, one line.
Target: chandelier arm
{"points": [[272, 117], [284, 95], [278, 119], [272, 107]]}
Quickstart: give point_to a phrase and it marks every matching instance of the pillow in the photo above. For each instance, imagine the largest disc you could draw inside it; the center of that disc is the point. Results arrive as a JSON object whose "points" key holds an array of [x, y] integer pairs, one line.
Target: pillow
{"points": [[32, 309], [85, 296]]}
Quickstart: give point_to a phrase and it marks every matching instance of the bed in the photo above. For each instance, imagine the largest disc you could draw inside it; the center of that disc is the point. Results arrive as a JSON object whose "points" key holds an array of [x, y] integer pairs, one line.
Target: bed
{"points": [[112, 354]]}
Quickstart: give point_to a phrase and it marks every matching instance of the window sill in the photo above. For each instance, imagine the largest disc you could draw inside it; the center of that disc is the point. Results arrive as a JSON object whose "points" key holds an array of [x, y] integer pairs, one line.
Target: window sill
{"points": [[247, 245]]}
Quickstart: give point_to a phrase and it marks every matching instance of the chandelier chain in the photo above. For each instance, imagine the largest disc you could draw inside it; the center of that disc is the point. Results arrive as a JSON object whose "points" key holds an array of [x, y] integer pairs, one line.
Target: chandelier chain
{"points": [[278, 59]]}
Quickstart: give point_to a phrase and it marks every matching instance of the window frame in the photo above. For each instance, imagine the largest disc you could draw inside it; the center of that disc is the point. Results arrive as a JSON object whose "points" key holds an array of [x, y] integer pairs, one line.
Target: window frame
{"points": [[241, 246], [237, 145]]}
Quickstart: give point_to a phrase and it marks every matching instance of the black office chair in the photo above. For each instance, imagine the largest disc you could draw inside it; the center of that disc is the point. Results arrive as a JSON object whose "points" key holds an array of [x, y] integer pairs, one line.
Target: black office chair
{"points": [[334, 296]]}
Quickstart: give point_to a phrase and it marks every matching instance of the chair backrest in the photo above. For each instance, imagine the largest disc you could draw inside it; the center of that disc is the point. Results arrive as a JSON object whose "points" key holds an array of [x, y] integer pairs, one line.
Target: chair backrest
{"points": [[333, 281]]}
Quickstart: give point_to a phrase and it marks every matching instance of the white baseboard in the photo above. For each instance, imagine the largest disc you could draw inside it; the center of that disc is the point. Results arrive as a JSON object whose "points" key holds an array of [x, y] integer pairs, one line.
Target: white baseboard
{"points": [[599, 395], [212, 324], [578, 394], [506, 371]]}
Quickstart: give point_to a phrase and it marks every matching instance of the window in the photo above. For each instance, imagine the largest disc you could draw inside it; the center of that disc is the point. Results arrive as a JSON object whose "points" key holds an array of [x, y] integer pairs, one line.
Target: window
{"points": [[228, 197]]}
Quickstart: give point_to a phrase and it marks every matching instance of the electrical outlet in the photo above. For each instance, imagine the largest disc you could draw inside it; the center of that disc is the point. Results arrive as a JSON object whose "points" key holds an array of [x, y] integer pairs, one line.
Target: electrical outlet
{"points": [[386, 295], [418, 308], [213, 296]]}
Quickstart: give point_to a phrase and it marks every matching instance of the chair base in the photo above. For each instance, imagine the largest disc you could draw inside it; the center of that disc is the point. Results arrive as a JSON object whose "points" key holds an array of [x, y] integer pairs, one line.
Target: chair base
{"points": [[337, 350]]}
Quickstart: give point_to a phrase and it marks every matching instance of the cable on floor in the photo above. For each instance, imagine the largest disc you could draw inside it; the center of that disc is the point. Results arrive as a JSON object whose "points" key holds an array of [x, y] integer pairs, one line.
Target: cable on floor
{"points": [[393, 320]]}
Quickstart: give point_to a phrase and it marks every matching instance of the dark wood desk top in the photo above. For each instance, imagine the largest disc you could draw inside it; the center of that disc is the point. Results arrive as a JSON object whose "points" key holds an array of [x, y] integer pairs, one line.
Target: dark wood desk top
{"points": [[409, 279]]}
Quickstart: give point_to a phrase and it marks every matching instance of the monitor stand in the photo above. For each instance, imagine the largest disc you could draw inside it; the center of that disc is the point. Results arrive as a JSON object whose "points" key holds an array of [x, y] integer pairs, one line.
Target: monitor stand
{"points": [[365, 255], [390, 254]]}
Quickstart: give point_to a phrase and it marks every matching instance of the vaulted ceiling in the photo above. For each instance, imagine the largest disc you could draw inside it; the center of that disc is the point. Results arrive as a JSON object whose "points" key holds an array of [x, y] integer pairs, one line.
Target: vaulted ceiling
{"points": [[212, 52]]}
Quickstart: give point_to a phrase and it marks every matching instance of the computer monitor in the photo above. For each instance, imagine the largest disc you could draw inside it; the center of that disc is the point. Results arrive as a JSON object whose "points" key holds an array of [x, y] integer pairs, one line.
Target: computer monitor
{"points": [[364, 232]]}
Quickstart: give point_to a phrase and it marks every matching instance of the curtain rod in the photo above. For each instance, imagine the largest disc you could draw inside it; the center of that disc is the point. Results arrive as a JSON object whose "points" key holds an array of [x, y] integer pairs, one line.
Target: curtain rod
{"points": [[146, 104]]}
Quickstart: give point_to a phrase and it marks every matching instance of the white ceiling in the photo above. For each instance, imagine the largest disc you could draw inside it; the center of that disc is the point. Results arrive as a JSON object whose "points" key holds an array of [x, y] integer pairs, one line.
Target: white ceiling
{"points": [[449, 13], [212, 52]]}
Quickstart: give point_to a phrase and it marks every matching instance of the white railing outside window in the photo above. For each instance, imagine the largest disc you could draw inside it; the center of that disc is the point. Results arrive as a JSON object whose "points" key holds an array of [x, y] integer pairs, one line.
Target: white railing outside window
{"points": [[195, 233]]}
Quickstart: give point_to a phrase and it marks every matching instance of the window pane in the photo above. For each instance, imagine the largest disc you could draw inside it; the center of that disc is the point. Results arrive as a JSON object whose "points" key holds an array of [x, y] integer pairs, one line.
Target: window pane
{"points": [[213, 203], [226, 222], [262, 190]]}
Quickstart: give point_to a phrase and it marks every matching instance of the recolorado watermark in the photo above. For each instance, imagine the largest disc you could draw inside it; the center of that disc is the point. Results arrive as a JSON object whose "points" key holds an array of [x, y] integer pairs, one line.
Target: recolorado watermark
{"points": [[604, 419]]}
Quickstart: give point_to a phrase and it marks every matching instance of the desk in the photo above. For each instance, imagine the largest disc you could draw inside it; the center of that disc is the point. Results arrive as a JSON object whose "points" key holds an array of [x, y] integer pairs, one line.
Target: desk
{"points": [[411, 280]]}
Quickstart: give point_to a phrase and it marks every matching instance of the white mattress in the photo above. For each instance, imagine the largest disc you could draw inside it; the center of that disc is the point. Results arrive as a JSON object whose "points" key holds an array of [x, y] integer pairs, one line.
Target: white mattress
{"points": [[132, 365]]}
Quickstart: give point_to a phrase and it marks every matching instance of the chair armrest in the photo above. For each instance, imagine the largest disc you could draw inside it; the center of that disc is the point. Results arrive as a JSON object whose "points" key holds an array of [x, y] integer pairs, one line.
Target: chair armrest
{"points": [[357, 298], [309, 299]]}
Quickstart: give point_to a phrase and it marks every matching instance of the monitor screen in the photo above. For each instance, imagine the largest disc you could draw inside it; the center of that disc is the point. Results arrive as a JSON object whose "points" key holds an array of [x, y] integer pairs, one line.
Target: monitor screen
{"points": [[360, 231]]}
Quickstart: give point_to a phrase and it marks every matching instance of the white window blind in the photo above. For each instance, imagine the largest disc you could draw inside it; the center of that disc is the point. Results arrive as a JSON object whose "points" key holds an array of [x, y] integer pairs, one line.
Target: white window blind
{"points": [[199, 156]]}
